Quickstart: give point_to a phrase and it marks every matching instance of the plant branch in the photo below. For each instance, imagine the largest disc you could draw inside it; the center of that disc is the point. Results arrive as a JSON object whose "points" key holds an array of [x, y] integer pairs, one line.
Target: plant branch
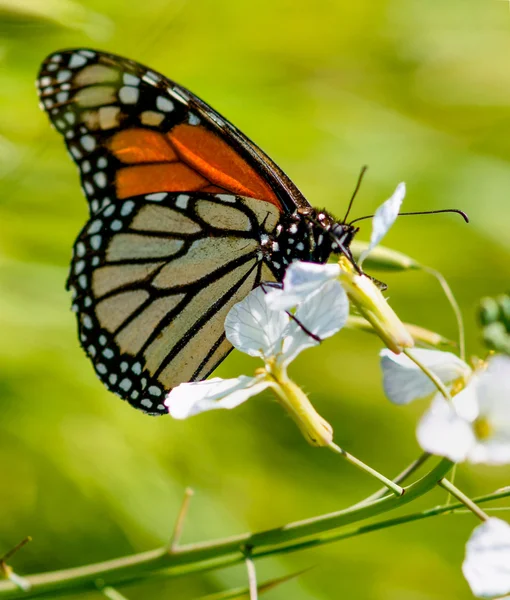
{"points": [[465, 500], [217, 553]]}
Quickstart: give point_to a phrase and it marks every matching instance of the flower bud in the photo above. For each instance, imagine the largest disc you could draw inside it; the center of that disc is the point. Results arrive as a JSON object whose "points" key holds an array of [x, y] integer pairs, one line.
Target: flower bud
{"points": [[372, 305]]}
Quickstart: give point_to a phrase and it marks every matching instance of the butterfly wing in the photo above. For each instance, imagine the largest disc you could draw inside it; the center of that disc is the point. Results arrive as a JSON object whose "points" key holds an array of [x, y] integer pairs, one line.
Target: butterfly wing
{"points": [[179, 200], [153, 278], [132, 131]]}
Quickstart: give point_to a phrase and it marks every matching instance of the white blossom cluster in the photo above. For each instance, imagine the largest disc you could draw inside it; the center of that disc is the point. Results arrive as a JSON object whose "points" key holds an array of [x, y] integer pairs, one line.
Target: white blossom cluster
{"points": [[276, 325]]}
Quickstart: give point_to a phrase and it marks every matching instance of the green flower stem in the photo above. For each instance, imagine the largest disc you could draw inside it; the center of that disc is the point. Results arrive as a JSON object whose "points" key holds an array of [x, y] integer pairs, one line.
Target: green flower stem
{"points": [[466, 501], [112, 594], [316, 430], [252, 576], [400, 478], [394, 487], [455, 306], [51, 585], [435, 380], [216, 553]]}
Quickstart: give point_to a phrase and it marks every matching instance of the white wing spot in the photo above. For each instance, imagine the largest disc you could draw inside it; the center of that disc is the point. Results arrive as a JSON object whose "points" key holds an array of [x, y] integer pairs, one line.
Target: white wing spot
{"points": [[63, 75], [70, 118], [113, 377], [155, 391], [85, 166], [79, 266], [100, 179], [88, 53], [91, 350], [164, 104], [108, 353], [129, 95], [88, 142], [193, 119], [100, 368], [75, 152], [102, 340], [95, 242], [82, 281], [77, 61], [137, 368], [116, 225], [131, 79], [182, 201], [87, 322], [102, 162], [80, 249], [157, 197], [126, 384], [89, 188], [127, 208], [146, 402], [109, 211], [226, 197]]}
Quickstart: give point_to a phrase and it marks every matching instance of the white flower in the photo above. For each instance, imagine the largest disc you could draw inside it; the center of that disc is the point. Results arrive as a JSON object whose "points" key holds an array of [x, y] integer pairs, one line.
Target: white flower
{"points": [[404, 381], [475, 426], [487, 563], [304, 280], [277, 339], [384, 218]]}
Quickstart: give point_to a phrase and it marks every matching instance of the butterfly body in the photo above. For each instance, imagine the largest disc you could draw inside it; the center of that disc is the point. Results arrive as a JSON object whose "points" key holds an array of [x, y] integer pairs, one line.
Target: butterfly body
{"points": [[187, 216]]}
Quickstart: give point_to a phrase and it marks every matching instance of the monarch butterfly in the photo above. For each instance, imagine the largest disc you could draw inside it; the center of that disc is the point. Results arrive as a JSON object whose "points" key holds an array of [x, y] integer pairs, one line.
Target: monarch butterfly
{"points": [[187, 216]]}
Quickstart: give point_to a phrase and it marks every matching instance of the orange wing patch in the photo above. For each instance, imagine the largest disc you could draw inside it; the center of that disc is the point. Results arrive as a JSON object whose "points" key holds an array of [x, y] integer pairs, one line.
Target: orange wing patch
{"points": [[164, 177], [189, 158]]}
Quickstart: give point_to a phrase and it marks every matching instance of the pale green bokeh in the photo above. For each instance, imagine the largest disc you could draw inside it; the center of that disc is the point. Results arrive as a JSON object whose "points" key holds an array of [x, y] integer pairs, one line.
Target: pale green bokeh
{"points": [[417, 90]]}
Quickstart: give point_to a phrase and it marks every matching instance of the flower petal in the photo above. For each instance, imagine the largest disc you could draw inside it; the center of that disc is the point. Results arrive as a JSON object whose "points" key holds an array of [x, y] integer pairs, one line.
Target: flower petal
{"points": [[443, 432], [322, 314], [404, 381], [487, 563], [384, 218], [301, 280], [190, 399], [253, 328]]}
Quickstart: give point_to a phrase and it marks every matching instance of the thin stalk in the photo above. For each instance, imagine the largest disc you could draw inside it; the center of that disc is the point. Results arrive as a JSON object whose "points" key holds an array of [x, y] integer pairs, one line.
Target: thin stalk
{"points": [[394, 487], [455, 306], [468, 503], [400, 478], [252, 577], [435, 380], [112, 594], [452, 479], [179, 522]]}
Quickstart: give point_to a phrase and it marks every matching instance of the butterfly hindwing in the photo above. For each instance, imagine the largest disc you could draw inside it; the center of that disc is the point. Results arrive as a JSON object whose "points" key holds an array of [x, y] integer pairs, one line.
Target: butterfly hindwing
{"points": [[153, 278]]}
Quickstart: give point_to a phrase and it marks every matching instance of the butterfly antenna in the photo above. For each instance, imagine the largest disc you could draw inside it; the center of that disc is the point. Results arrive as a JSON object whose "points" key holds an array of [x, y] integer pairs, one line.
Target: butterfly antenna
{"points": [[425, 212], [364, 169]]}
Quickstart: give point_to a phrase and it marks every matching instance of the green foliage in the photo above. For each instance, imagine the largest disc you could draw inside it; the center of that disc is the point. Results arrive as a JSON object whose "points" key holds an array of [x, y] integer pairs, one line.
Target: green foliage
{"points": [[416, 90], [495, 320]]}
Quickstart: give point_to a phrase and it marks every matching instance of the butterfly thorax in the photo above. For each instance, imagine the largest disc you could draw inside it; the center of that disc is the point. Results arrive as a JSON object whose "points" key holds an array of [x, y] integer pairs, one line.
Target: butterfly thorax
{"points": [[306, 234]]}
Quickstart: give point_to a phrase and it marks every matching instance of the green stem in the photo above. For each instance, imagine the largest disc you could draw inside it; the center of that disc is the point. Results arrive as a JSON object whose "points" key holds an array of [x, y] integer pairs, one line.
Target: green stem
{"points": [[435, 380], [455, 306], [400, 478], [466, 501], [227, 561], [218, 553], [395, 488]]}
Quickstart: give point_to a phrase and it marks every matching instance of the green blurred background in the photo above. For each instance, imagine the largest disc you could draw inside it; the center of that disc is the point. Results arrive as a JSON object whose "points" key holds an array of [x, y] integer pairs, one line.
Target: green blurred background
{"points": [[417, 90]]}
